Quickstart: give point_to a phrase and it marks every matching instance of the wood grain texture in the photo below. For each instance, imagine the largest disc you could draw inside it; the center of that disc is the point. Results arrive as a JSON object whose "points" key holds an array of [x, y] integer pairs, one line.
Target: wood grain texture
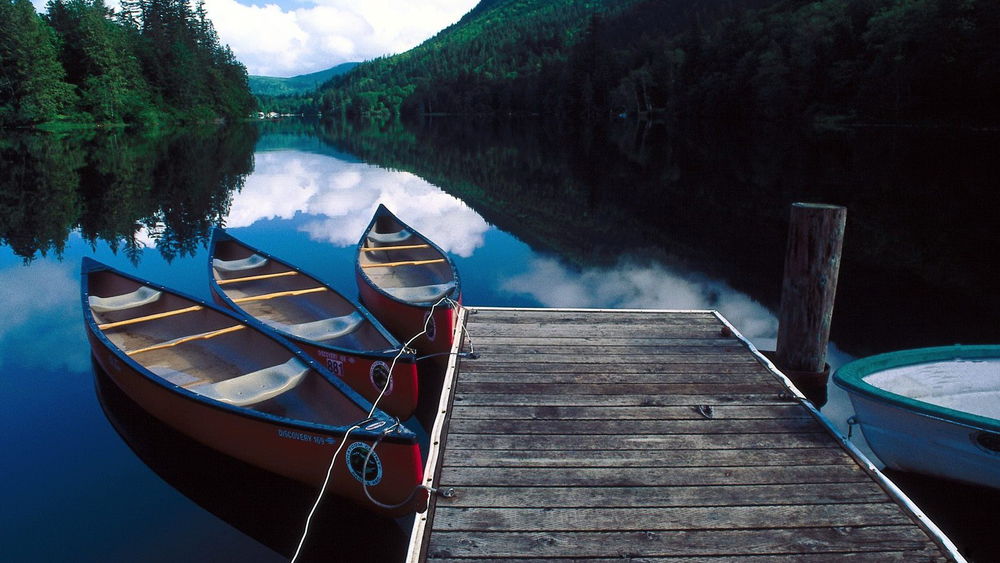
{"points": [[645, 435]]}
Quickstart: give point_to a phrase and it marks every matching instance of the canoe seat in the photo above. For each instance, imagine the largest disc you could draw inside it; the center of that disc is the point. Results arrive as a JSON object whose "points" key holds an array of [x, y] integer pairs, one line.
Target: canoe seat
{"points": [[325, 329], [422, 293], [142, 296], [256, 386], [248, 263], [389, 238]]}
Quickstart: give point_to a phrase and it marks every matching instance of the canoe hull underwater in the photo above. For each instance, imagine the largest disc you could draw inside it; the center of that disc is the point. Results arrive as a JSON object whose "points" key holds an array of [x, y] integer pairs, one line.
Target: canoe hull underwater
{"points": [[938, 424], [293, 447], [408, 283], [360, 352]]}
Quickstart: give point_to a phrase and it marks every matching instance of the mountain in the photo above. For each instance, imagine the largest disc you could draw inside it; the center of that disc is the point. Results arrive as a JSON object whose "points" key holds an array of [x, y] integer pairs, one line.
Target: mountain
{"points": [[273, 86], [825, 61]]}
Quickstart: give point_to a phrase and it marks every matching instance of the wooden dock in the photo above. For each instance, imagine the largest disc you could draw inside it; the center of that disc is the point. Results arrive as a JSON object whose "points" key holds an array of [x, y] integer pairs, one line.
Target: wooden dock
{"points": [[595, 434]]}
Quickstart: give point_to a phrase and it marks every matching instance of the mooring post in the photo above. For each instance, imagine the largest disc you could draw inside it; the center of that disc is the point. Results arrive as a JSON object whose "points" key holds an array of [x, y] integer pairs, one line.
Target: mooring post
{"points": [[812, 264]]}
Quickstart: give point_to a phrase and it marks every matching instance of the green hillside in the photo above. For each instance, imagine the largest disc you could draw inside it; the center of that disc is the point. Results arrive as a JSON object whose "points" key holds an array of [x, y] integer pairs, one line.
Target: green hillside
{"points": [[274, 86], [873, 60]]}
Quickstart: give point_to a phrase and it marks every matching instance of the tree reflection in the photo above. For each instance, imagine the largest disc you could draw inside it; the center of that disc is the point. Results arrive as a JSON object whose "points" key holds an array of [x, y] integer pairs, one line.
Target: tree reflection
{"points": [[113, 185]]}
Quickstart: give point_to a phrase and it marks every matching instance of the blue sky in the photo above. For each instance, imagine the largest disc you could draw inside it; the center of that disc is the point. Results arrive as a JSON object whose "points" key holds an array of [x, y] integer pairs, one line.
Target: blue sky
{"points": [[291, 37]]}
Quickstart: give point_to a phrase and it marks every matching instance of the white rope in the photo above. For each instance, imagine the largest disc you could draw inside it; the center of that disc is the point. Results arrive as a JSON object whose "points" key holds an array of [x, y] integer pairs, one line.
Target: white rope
{"points": [[336, 454], [326, 481]]}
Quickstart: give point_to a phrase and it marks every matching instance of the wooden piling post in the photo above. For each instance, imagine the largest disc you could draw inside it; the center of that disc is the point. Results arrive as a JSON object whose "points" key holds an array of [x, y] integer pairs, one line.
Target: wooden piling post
{"points": [[812, 265]]}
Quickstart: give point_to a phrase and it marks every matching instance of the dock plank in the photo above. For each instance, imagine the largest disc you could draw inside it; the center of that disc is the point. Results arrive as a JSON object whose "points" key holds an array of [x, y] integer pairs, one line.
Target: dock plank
{"points": [[646, 435]]}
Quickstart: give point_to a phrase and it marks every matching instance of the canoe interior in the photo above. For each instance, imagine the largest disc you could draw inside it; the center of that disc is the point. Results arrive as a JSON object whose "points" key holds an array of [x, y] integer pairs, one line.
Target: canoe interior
{"points": [[291, 309], [378, 265], [161, 345]]}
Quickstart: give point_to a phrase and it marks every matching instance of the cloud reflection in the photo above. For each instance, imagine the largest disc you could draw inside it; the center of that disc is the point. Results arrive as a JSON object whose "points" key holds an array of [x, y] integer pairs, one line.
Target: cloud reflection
{"points": [[635, 286], [340, 198], [41, 315]]}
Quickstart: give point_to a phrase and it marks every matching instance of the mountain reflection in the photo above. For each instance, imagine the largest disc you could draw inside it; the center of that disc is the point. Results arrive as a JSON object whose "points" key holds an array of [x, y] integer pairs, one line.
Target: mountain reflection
{"points": [[339, 197]]}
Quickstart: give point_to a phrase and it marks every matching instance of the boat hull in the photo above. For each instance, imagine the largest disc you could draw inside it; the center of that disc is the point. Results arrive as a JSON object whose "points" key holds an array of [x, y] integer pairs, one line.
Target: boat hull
{"points": [[920, 435], [909, 441], [288, 450], [405, 321]]}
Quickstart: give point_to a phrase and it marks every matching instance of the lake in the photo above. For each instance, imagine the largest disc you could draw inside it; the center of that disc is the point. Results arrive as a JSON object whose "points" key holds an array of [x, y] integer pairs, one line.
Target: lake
{"points": [[633, 215]]}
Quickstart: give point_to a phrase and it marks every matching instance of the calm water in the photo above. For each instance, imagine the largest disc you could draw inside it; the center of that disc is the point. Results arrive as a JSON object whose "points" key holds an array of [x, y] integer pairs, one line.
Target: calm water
{"points": [[632, 217]]}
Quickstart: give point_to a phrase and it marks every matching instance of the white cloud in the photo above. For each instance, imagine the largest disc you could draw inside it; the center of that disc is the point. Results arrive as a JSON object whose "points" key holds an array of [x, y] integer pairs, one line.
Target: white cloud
{"points": [[634, 286], [340, 198], [272, 40]]}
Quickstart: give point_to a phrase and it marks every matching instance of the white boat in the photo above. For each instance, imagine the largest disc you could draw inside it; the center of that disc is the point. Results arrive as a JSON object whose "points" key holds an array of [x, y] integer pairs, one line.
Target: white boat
{"points": [[934, 411]]}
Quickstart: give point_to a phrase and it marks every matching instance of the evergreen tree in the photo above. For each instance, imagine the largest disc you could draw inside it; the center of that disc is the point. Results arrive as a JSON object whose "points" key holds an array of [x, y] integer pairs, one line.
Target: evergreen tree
{"points": [[32, 88]]}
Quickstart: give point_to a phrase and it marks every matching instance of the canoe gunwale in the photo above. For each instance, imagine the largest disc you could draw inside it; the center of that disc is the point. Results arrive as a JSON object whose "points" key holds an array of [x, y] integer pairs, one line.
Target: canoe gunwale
{"points": [[405, 436], [851, 376]]}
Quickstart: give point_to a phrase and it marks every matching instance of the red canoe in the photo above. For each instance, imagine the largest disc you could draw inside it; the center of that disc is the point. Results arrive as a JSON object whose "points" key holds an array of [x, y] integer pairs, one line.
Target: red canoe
{"points": [[337, 333], [225, 382], [408, 283]]}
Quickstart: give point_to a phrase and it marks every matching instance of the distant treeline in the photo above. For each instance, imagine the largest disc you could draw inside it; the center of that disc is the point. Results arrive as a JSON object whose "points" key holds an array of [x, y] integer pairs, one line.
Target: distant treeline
{"points": [[881, 60], [153, 61]]}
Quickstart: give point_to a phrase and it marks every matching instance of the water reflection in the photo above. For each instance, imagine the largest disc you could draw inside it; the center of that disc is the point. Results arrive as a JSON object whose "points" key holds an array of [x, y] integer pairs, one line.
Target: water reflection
{"points": [[268, 508], [631, 285], [120, 188], [36, 302], [340, 196]]}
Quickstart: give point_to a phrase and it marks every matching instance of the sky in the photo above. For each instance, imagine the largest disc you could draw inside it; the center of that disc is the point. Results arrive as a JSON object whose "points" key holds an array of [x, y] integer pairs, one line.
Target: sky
{"points": [[292, 37]]}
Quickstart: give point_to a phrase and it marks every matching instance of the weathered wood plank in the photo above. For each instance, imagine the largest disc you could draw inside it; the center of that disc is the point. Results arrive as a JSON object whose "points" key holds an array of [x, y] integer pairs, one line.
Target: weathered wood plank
{"points": [[607, 388], [928, 555], [619, 317], [452, 476], [645, 458], [546, 330], [677, 376], [605, 519], [623, 348], [470, 367], [693, 543], [619, 357], [636, 412], [628, 497], [621, 341], [675, 441], [632, 427], [622, 400]]}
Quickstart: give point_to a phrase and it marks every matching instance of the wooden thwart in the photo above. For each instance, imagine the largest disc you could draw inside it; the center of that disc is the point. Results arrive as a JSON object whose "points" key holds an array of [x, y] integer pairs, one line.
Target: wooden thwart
{"points": [[401, 247], [172, 343], [280, 294], [257, 277], [406, 263], [152, 317]]}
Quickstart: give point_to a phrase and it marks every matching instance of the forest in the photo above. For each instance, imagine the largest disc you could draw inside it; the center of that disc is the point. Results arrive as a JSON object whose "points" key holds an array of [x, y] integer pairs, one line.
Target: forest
{"points": [[151, 63], [928, 61]]}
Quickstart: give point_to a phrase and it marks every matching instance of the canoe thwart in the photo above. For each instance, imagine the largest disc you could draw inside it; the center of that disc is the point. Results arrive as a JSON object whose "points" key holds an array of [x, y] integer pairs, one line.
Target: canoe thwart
{"points": [[256, 386], [401, 247], [152, 317], [389, 238], [324, 329], [249, 263], [406, 263], [182, 340], [274, 295], [142, 296], [422, 293], [255, 278]]}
